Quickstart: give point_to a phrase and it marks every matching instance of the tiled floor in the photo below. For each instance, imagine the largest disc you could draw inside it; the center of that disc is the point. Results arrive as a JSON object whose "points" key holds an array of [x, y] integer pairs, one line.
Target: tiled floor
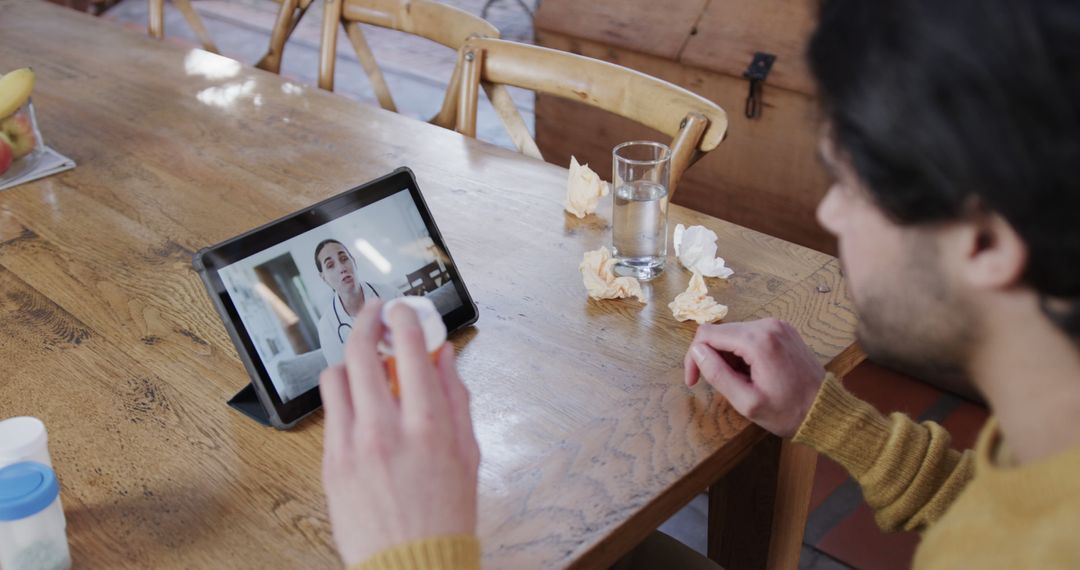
{"points": [[840, 532]]}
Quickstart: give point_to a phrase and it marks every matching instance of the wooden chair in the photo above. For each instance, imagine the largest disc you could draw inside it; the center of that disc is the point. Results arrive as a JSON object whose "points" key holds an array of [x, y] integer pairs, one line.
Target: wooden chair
{"points": [[288, 17], [440, 23], [426, 279], [156, 24], [695, 124]]}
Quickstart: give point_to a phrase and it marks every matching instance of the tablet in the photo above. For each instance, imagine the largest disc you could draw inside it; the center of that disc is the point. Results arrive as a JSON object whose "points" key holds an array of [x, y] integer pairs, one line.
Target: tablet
{"points": [[287, 291]]}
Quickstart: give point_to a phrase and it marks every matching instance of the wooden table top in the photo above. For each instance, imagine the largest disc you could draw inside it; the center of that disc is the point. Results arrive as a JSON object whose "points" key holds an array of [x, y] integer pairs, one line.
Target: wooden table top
{"points": [[587, 432]]}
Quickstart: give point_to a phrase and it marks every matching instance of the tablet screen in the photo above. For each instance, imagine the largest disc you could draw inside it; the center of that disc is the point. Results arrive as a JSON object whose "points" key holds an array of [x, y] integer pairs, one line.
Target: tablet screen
{"points": [[295, 285]]}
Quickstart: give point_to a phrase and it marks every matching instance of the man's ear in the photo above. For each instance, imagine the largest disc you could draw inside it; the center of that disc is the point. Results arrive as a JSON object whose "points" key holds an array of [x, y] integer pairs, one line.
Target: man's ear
{"points": [[996, 255]]}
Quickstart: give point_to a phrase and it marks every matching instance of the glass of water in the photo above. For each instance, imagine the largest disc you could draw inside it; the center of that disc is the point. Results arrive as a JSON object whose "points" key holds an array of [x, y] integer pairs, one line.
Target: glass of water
{"points": [[639, 234]]}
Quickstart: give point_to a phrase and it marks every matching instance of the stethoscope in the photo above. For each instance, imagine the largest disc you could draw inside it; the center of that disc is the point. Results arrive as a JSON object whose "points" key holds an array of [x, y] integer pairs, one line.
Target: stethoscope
{"points": [[334, 300]]}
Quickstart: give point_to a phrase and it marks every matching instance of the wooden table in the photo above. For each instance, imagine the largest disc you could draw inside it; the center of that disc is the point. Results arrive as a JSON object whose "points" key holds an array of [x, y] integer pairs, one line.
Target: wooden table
{"points": [[589, 438]]}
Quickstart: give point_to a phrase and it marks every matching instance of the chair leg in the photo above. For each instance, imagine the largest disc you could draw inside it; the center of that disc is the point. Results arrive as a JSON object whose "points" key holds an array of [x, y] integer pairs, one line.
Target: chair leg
{"points": [[446, 116], [286, 22], [155, 25], [489, 3], [511, 118], [371, 68], [196, 24], [328, 43]]}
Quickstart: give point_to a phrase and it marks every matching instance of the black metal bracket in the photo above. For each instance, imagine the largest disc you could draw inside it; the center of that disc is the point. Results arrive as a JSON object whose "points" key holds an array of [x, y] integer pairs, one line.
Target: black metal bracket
{"points": [[757, 72]]}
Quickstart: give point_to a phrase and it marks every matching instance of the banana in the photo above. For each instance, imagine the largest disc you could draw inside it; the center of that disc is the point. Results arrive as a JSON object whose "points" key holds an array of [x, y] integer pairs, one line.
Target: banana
{"points": [[15, 88]]}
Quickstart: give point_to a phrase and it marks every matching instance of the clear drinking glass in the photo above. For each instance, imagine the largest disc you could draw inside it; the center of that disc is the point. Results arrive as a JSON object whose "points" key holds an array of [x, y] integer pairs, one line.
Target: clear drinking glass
{"points": [[642, 170]]}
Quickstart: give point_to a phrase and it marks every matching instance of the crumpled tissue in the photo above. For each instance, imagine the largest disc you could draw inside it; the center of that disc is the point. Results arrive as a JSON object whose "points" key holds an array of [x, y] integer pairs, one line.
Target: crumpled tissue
{"points": [[600, 280], [584, 189], [696, 304], [696, 249]]}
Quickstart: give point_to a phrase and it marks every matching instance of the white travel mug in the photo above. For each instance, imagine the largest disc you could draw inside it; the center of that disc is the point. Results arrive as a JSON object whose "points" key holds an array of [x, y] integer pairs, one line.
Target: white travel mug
{"points": [[32, 527], [23, 439]]}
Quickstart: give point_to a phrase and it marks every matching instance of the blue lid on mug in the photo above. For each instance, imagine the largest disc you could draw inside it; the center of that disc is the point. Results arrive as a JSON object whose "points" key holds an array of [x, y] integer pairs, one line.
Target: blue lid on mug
{"points": [[26, 489]]}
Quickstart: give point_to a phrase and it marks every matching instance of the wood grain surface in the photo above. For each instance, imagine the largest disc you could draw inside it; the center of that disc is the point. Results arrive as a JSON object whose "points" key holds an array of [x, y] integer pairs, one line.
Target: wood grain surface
{"points": [[589, 438]]}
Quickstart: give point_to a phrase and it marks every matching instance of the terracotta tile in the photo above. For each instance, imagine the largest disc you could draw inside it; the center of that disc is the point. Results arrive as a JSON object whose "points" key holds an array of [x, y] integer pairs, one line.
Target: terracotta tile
{"points": [[964, 424], [858, 542], [890, 391], [827, 477], [886, 390]]}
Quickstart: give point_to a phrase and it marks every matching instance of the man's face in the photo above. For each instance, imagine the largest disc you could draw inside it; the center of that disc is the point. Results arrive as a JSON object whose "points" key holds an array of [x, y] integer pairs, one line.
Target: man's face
{"points": [[911, 316], [338, 269]]}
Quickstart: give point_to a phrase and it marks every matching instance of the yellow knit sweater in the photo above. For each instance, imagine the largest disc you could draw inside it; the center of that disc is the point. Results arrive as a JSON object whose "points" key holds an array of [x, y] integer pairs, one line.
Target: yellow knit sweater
{"points": [[442, 553], [975, 511]]}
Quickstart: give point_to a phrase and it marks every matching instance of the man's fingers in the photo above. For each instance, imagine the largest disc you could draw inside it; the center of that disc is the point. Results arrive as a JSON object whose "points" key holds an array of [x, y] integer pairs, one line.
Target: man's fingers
{"points": [[422, 398], [742, 339], [715, 370], [691, 374], [334, 388], [368, 385], [458, 398]]}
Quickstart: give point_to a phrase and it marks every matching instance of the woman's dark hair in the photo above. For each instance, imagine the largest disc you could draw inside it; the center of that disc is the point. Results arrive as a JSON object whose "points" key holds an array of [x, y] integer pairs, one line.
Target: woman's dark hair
{"points": [[941, 105], [325, 243]]}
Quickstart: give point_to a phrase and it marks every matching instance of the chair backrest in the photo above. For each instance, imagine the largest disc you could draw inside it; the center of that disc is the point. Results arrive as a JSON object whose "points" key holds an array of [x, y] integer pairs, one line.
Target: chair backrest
{"points": [[426, 279], [440, 23], [696, 124]]}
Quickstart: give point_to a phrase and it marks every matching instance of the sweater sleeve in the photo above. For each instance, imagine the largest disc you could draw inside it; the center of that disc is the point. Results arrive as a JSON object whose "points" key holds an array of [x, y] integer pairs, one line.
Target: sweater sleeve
{"points": [[907, 471], [442, 553]]}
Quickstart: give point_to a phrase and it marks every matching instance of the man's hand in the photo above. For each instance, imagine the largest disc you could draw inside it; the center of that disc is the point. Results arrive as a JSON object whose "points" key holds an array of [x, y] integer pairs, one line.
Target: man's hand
{"points": [[396, 472], [762, 367]]}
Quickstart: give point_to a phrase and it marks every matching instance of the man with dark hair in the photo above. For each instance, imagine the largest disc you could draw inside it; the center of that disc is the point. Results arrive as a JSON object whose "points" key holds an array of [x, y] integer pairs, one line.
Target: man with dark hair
{"points": [[952, 132], [338, 270]]}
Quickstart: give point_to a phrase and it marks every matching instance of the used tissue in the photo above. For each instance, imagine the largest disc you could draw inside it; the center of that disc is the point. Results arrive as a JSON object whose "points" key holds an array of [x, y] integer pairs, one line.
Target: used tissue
{"points": [[600, 280], [696, 304], [584, 189], [696, 249]]}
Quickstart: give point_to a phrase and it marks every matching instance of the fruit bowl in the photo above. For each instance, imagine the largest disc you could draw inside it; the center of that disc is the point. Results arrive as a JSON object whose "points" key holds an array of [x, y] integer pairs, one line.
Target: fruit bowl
{"points": [[23, 154], [20, 143]]}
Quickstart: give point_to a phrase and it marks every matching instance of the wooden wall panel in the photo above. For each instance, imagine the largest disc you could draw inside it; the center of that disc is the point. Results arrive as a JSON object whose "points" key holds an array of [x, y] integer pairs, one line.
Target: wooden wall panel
{"points": [[730, 31], [657, 27]]}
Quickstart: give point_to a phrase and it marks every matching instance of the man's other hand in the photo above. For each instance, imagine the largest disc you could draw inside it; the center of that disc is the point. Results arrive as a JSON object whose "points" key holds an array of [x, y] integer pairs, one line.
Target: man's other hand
{"points": [[396, 471], [762, 367]]}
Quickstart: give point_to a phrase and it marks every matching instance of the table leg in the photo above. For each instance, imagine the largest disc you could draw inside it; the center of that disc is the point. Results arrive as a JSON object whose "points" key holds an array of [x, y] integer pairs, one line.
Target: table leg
{"points": [[741, 507], [767, 500], [796, 481]]}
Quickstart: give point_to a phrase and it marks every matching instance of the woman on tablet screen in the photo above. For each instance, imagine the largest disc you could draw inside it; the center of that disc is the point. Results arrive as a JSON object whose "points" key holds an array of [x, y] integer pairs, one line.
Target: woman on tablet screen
{"points": [[338, 269]]}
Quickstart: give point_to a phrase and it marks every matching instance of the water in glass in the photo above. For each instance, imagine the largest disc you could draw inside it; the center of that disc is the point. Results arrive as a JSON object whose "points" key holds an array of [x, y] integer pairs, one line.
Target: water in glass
{"points": [[639, 233]]}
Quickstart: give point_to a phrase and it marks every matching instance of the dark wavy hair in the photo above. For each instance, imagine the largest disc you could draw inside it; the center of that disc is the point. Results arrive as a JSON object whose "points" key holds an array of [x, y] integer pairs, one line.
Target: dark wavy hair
{"points": [[943, 104]]}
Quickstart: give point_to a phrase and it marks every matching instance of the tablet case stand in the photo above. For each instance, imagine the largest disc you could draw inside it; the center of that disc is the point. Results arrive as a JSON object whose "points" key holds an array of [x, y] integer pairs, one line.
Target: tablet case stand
{"points": [[247, 402]]}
